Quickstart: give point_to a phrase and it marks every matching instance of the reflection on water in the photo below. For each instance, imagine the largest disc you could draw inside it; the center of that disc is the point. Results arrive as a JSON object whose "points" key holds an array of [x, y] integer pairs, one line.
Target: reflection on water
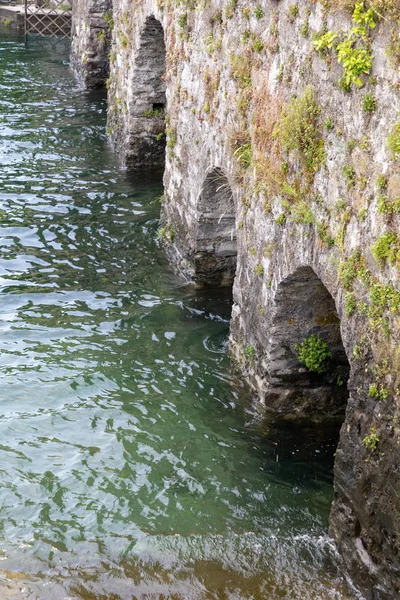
{"points": [[132, 462]]}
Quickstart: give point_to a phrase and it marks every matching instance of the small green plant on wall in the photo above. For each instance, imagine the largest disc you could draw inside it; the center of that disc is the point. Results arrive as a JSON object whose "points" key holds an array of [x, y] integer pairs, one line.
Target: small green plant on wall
{"points": [[182, 20], [153, 113], [369, 103], [249, 351], [244, 154], [258, 12], [386, 247], [394, 140], [353, 50], [371, 440], [166, 234], [298, 130], [259, 270], [109, 20], [314, 353], [378, 392]]}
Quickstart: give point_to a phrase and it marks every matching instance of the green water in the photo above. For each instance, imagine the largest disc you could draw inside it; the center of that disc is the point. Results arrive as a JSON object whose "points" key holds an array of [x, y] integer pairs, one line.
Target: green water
{"points": [[133, 463]]}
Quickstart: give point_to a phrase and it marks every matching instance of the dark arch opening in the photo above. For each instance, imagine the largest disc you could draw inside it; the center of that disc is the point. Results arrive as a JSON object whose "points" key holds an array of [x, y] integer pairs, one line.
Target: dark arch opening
{"points": [[147, 114], [216, 247], [303, 308]]}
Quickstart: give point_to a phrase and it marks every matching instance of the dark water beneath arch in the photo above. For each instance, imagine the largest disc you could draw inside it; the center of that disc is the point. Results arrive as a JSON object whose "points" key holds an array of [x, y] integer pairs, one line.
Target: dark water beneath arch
{"points": [[132, 461]]}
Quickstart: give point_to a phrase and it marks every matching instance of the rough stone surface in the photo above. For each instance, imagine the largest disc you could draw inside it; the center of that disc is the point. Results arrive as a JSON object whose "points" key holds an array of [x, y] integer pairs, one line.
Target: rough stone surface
{"points": [[300, 239], [214, 252], [136, 120], [91, 37]]}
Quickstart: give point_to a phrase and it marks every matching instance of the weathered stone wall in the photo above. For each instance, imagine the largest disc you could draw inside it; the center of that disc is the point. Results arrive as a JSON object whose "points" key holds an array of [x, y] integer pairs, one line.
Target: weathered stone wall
{"points": [[92, 25], [137, 86], [305, 215]]}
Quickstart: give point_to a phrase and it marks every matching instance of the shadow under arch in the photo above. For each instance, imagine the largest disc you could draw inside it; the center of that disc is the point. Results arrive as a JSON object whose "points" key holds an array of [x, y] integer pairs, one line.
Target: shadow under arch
{"points": [[303, 307], [215, 236], [146, 139]]}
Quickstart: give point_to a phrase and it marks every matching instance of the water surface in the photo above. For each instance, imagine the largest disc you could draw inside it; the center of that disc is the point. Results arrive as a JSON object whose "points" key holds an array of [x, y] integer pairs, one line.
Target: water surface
{"points": [[133, 463]]}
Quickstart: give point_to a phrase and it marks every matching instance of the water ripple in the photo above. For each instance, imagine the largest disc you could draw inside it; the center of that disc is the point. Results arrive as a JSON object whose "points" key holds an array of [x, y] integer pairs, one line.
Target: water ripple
{"points": [[132, 459]]}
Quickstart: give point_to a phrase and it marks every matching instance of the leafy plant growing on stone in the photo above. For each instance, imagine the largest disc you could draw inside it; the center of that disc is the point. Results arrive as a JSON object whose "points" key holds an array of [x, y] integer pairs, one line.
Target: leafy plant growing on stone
{"points": [[386, 247], [353, 51], [259, 270], [325, 41], [328, 123], [350, 174], [249, 351], [281, 219], [258, 12], [378, 392], [314, 353], [355, 61], [293, 12], [109, 20], [394, 140], [243, 155], [182, 20], [258, 45], [298, 130], [369, 103], [371, 440], [166, 233], [153, 113]]}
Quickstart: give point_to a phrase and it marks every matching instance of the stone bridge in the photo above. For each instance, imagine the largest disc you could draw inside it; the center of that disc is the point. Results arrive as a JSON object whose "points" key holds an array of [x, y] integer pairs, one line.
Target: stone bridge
{"points": [[277, 126]]}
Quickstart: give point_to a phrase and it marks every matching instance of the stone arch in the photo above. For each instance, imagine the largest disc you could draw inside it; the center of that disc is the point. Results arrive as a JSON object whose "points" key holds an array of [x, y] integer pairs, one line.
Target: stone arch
{"points": [[303, 307], [146, 146], [215, 237], [90, 40]]}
